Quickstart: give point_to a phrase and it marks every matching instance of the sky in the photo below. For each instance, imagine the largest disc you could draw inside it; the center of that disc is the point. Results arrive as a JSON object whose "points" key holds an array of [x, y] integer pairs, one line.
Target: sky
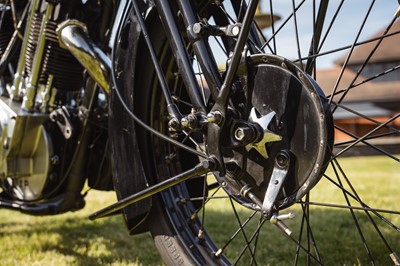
{"points": [[343, 32]]}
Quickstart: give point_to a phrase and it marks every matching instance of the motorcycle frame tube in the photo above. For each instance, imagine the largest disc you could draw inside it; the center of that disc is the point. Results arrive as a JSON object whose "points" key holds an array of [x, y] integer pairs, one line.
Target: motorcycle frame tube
{"points": [[13, 44], [9, 52]]}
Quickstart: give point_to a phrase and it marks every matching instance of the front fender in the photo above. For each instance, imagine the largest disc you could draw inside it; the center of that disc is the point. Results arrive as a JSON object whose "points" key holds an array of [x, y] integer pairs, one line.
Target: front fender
{"points": [[128, 174]]}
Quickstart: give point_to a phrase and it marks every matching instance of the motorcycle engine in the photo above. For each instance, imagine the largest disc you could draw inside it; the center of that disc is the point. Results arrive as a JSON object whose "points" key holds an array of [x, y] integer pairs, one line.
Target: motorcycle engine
{"points": [[38, 142]]}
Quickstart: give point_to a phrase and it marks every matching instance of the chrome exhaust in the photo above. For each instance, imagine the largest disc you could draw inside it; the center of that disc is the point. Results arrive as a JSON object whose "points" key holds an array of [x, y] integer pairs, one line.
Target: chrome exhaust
{"points": [[73, 36]]}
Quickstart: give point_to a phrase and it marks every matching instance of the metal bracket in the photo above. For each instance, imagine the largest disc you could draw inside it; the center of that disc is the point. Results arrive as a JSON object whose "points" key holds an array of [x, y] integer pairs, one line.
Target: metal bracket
{"points": [[279, 174], [201, 29], [62, 118]]}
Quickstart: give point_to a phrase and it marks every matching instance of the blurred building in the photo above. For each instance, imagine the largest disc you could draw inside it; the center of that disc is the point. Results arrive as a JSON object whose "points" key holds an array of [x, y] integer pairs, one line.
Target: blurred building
{"points": [[379, 98]]}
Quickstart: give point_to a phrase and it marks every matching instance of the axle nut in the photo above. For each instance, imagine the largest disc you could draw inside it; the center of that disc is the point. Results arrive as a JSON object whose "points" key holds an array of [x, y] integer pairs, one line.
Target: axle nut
{"points": [[243, 134]]}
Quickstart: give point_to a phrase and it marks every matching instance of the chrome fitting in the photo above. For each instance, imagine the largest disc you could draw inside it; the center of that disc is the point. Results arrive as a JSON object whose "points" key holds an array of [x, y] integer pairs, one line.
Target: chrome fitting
{"points": [[72, 35], [214, 117]]}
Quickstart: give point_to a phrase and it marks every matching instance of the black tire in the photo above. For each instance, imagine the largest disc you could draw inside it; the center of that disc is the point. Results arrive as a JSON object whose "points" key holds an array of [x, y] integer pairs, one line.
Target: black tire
{"points": [[179, 219]]}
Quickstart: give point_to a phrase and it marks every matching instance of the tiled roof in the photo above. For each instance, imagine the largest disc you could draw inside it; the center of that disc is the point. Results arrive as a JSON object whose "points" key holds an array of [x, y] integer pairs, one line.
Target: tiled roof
{"points": [[378, 91], [388, 50], [366, 108]]}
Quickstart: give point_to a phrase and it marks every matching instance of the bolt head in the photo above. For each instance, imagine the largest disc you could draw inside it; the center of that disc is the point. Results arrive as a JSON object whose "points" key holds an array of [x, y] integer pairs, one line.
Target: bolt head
{"points": [[197, 28], [239, 134], [282, 159], [186, 122], [243, 133], [214, 117], [235, 30]]}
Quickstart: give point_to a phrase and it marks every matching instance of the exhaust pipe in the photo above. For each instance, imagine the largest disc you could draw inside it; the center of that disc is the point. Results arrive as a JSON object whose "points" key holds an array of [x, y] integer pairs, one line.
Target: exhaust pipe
{"points": [[73, 36]]}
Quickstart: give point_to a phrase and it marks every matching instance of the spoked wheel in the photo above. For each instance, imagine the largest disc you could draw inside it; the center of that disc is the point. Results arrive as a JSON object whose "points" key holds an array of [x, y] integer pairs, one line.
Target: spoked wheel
{"points": [[309, 101]]}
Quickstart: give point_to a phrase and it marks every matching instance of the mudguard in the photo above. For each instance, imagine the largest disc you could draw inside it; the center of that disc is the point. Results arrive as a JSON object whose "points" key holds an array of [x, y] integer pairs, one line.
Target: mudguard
{"points": [[128, 174]]}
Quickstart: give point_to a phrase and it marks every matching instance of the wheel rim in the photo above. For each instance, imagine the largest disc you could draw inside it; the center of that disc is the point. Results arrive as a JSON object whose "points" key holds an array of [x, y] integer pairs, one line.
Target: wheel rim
{"points": [[201, 220]]}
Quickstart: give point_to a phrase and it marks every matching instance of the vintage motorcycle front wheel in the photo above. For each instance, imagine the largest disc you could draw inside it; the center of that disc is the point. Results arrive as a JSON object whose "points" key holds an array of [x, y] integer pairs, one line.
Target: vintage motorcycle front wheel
{"points": [[344, 202]]}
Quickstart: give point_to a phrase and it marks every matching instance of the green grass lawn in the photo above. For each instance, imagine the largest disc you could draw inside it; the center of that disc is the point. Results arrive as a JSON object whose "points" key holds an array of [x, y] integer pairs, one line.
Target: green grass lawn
{"points": [[71, 239]]}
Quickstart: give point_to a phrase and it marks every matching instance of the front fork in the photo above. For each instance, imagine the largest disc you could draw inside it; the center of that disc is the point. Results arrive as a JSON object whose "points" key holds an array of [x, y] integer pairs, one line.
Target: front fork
{"points": [[220, 89]]}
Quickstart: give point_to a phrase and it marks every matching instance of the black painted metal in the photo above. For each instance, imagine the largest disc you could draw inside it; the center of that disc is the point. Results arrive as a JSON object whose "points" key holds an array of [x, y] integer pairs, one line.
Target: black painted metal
{"points": [[200, 169], [314, 47], [182, 57], [173, 111], [202, 49], [214, 130]]}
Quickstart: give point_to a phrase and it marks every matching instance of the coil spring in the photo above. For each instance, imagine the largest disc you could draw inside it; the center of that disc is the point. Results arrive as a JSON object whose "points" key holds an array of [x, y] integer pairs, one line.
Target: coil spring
{"points": [[58, 62], [32, 41]]}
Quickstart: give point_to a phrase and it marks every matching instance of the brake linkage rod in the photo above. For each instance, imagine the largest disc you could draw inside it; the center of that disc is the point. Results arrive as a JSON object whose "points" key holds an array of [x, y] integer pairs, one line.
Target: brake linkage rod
{"points": [[203, 167], [171, 107]]}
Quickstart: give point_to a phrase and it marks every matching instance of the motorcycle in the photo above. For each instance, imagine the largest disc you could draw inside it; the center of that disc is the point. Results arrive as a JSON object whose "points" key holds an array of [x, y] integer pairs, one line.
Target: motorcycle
{"points": [[181, 106]]}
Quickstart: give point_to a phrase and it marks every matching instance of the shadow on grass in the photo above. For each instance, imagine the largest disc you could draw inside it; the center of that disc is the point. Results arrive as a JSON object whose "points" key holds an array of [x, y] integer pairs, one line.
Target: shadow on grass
{"points": [[107, 241], [77, 241]]}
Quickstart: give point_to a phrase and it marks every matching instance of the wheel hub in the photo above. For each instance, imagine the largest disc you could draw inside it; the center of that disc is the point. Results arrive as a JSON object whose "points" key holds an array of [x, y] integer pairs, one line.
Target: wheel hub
{"points": [[291, 113]]}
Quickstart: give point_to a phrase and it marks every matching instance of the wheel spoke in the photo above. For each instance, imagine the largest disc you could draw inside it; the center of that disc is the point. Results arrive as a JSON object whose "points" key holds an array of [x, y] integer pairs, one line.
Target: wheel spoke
{"points": [[363, 208], [221, 250], [351, 50], [355, 220], [366, 212], [204, 199], [254, 235], [248, 247], [271, 8], [363, 116], [283, 25], [309, 254], [313, 56], [317, 30], [310, 236], [375, 136], [352, 87], [367, 135], [301, 230], [347, 47], [253, 261], [309, 229], [296, 29], [365, 63], [374, 147]]}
